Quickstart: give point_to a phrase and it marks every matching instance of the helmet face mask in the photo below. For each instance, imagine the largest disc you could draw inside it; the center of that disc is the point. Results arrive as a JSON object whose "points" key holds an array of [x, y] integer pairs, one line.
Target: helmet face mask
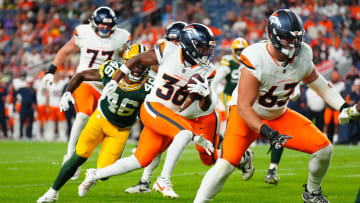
{"points": [[197, 42], [285, 31], [138, 72], [103, 19]]}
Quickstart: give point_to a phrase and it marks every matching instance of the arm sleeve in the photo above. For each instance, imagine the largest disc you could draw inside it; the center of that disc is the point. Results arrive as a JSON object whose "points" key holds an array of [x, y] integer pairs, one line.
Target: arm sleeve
{"points": [[327, 91]]}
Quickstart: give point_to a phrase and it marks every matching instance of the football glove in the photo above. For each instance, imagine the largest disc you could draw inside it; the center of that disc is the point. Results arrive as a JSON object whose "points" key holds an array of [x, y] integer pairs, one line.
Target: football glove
{"points": [[64, 101], [204, 143], [47, 80], [276, 139], [201, 88], [109, 88], [347, 114]]}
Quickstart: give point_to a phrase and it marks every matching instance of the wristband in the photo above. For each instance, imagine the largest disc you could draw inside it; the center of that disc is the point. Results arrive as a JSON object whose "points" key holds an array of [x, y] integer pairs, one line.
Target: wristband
{"points": [[52, 69], [345, 105], [125, 69], [266, 131]]}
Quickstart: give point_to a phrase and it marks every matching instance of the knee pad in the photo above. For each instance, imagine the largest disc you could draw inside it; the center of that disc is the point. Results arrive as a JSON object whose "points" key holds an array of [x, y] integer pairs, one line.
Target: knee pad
{"points": [[324, 153]]}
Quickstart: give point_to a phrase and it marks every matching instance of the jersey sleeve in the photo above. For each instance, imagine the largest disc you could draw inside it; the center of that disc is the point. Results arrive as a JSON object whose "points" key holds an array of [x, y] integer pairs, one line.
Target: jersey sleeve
{"points": [[123, 37], [108, 69], [248, 61], [159, 51], [225, 64], [77, 35], [306, 55]]}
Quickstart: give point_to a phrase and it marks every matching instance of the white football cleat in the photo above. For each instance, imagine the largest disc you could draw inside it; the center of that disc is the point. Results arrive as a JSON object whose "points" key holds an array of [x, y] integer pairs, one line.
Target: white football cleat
{"points": [[50, 196], [88, 182], [247, 167], [141, 187], [164, 186]]}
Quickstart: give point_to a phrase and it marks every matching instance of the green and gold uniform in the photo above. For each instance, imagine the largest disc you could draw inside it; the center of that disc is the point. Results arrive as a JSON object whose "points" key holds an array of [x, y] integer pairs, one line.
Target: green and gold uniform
{"points": [[112, 120], [231, 68]]}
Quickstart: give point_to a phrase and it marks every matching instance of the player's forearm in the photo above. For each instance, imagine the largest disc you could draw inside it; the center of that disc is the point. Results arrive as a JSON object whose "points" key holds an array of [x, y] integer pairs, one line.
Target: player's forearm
{"points": [[250, 117], [328, 92], [88, 75]]}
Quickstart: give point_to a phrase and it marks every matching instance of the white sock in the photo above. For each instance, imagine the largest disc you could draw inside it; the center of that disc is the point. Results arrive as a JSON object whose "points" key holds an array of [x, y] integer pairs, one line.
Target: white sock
{"points": [[174, 152], [52, 190], [149, 170], [121, 166], [79, 123], [335, 138], [62, 131], [273, 166], [49, 134], [318, 166], [214, 180]]}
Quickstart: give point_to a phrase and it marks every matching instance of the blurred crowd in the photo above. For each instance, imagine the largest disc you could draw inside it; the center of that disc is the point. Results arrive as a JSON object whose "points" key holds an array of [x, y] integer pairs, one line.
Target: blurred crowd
{"points": [[32, 31]]}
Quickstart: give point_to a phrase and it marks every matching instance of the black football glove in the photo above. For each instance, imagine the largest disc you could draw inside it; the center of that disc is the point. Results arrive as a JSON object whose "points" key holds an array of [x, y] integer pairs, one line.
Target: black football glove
{"points": [[276, 139]]}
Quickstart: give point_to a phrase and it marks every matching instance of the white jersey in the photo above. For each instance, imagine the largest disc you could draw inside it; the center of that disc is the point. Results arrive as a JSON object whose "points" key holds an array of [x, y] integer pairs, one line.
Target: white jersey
{"points": [[56, 91], [95, 50], [277, 81], [18, 83], [40, 92], [172, 77]]}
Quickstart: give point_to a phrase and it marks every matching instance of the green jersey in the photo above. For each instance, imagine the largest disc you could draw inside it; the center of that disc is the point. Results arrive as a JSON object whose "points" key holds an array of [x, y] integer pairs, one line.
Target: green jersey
{"points": [[232, 68], [122, 107]]}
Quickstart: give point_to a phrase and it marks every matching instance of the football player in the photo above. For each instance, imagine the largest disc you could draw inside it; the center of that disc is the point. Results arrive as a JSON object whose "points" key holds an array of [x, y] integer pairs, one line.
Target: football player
{"points": [[98, 41], [259, 106], [110, 123], [56, 119], [229, 70], [208, 118], [160, 112]]}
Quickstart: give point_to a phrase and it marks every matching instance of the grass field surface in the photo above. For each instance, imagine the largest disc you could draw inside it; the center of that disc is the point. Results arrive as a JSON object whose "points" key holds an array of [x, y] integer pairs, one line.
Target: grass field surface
{"points": [[28, 169]]}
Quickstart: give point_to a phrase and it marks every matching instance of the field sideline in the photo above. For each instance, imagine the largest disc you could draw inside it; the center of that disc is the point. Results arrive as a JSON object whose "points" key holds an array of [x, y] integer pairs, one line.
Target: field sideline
{"points": [[28, 169]]}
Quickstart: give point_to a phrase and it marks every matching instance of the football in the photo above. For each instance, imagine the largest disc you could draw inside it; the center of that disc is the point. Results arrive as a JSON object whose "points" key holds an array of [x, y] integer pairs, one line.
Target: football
{"points": [[192, 96], [195, 96]]}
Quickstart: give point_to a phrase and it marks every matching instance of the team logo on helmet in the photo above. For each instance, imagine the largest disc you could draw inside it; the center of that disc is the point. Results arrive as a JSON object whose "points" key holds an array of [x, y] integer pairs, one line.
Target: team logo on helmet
{"points": [[275, 20]]}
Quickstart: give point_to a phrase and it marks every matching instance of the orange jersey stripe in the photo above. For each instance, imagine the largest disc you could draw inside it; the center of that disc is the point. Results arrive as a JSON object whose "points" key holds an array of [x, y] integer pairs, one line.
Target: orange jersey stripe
{"points": [[76, 32], [244, 60], [212, 75], [267, 49]]}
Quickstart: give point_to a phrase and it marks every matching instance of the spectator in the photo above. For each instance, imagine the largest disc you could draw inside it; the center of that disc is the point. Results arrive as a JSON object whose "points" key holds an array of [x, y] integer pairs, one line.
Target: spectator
{"points": [[354, 126], [28, 107], [316, 107], [331, 115], [3, 93]]}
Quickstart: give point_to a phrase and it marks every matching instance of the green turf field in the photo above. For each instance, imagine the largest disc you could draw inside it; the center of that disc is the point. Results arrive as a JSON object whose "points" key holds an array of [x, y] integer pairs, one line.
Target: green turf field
{"points": [[27, 170]]}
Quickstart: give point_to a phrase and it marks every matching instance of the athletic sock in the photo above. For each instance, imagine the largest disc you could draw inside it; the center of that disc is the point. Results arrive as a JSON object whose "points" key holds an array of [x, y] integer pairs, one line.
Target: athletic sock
{"points": [[121, 166], [214, 180], [149, 170], [318, 166], [174, 152], [79, 123], [67, 170], [276, 155]]}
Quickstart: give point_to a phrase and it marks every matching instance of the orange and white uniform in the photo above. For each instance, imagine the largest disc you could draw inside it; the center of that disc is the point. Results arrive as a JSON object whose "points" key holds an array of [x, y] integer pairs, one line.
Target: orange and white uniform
{"points": [[41, 99], [160, 111], [55, 93], [94, 51], [276, 83]]}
